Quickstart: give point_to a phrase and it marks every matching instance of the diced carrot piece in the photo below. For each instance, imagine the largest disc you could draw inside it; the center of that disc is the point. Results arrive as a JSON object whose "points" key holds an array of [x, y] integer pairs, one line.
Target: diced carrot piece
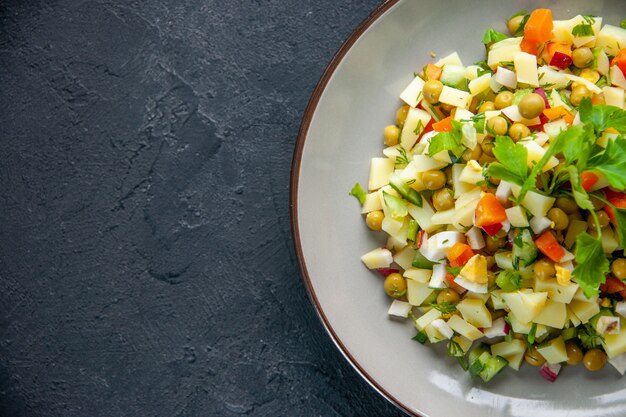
{"points": [[588, 179], [620, 60], [612, 286], [528, 46], [453, 285], [553, 47], [596, 99], [489, 211], [432, 72], [459, 254], [548, 245], [444, 125], [618, 199], [539, 26], [559, 112]]}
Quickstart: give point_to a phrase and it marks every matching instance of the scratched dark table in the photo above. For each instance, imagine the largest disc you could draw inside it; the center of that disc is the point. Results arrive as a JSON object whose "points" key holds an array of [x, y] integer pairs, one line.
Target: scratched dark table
{"points": [[146, 260]]}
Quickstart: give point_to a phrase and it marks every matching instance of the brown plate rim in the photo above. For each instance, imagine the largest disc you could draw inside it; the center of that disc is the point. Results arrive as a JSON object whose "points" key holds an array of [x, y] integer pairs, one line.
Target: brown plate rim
{"points": [[293, 194]]}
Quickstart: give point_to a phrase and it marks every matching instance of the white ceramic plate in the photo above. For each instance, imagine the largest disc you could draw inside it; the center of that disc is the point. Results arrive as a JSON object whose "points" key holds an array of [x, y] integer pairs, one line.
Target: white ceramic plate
{"points": [[341, 130]]}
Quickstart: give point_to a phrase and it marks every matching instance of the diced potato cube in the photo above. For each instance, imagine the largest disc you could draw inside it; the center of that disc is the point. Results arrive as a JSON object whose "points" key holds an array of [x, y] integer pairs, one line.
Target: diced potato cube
{"points": [[614, 96], [434, 335], [554, 350], [611, 39], [553, 314], [584, 310], [526, 68], [423, 216], [480, 84], [472, 173], [412, 94], [417, 292], [615, 344], [416, 121], [511, 351], [464, 328], [372, 203], [454, 97], [404, 258], [525, 306], [556, 291], [503, 51], [380, 169], [377, 258], [474, 312], [427, 318], [517, 216], [418, 274]]}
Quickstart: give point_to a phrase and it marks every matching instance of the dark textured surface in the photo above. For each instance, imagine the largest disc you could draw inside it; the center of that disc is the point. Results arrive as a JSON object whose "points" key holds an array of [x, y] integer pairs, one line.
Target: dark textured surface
{"points": [[147, 267]]}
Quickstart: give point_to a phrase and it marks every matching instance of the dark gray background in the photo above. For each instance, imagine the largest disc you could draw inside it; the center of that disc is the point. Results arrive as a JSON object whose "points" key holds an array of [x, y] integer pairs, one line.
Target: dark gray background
{"points": [[146, 260]]}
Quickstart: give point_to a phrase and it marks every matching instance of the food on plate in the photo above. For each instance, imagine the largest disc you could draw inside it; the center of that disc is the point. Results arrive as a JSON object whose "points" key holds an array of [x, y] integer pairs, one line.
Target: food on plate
{"points": [[501, 189]]}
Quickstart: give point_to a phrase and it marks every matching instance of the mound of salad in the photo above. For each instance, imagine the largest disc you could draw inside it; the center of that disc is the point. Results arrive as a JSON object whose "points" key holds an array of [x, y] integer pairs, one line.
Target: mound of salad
{"points": [[502, 191]]}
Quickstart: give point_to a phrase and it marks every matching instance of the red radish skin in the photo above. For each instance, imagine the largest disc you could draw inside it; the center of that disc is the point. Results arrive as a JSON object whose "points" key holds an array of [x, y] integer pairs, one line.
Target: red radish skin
{"points": [[384, 272], [550, 371], [560, 60]]}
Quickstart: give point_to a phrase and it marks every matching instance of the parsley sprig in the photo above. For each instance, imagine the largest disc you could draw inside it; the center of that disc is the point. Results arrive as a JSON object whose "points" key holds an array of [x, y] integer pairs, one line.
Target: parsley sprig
{"points": [[578, 147]]}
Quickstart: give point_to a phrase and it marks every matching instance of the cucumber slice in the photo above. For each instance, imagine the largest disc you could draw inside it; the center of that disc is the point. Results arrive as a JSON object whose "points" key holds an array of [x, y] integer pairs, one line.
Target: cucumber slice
{"points": [[421, 262], [524, 249], [404, 190], [492, 367], [453, 76], [477, 367]]}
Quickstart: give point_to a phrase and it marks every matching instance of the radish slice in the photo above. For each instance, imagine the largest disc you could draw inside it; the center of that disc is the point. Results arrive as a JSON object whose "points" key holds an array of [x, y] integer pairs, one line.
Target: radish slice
{"points": [[550, 371], [387, 271]]}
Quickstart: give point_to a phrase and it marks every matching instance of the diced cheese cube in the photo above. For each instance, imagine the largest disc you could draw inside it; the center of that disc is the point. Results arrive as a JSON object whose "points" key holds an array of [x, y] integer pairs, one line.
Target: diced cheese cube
{"points": [[380, 169], [503, 51], [460, 188], [611, 38], [454, 97], [412, 94], [526, 68], [614, 96], [480, 84], [471, 72], [399, 308]]}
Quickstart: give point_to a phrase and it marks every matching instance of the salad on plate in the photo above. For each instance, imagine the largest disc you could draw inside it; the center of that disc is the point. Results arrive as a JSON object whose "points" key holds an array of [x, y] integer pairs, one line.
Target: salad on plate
{"points": [[501, 190]]}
